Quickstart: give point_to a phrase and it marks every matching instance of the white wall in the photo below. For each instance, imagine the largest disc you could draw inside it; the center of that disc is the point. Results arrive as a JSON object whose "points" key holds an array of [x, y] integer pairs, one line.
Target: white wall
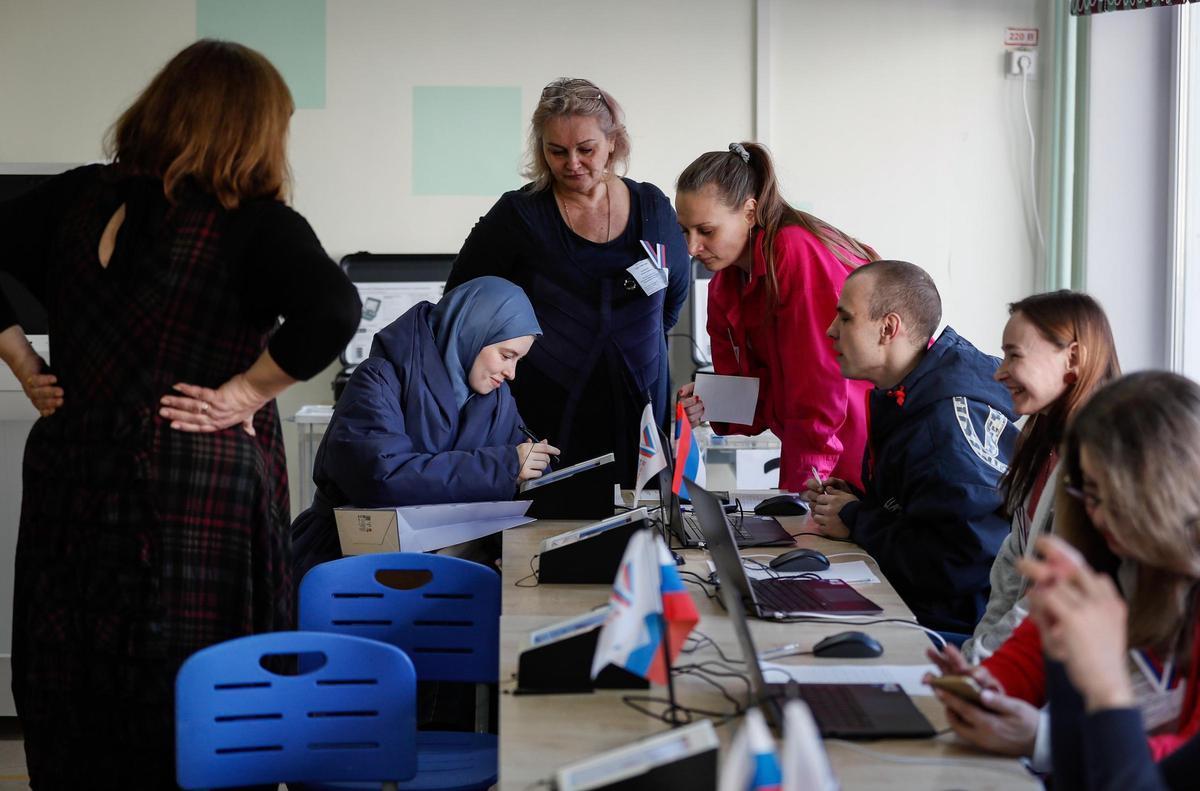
{"points": [[895, 122], [1128, 186], [681, 69]]}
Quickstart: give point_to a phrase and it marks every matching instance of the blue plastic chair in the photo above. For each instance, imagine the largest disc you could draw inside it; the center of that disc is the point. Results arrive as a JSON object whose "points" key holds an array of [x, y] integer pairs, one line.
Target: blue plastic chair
{"points": [[444, 613], [348, 713]]}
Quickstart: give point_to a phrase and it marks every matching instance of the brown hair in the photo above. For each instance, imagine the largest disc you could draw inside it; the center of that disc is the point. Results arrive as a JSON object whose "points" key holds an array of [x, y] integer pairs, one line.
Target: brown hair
{"points": [[1145, 428], [1062, 318], [575, 96], [737, 180], [907, 290], [217, 115]]}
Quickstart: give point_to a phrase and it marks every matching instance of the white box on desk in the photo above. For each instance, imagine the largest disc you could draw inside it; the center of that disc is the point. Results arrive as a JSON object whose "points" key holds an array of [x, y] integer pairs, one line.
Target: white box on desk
{"points": [[424, 528]]}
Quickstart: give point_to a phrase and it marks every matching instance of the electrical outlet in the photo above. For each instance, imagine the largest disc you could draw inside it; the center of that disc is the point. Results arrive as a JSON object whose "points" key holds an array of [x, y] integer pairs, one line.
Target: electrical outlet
{"points": [[1018, 60]]}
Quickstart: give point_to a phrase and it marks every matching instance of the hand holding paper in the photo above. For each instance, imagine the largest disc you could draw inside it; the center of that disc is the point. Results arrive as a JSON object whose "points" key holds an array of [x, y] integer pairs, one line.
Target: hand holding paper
{"points": [[728, 399]]}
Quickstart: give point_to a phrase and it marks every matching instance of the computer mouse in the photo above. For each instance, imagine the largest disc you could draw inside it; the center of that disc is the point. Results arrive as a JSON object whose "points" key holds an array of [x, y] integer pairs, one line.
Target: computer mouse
{"points": [[782, 505], [802, 559], [848, 645]]}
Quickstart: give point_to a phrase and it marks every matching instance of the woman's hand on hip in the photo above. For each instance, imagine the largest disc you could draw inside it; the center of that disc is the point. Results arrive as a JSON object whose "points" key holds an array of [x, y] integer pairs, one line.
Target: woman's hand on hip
{"points": [[40, 388], [203, 410], [534, 458], [29, 368], [693, 407]]}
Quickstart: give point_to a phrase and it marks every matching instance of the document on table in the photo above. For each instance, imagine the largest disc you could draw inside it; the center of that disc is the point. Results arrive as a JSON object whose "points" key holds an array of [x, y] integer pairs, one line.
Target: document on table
{"points": [[855, 572], [907, 677], [728, 399]]}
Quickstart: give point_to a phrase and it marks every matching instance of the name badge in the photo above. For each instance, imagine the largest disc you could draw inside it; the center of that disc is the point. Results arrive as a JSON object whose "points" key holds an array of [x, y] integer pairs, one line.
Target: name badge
{"points": [[651, 272]]}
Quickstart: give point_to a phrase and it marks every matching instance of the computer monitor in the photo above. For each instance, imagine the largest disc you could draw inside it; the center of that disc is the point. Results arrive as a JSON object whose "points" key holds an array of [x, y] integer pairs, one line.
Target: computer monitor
{"points": [[389, 284]]}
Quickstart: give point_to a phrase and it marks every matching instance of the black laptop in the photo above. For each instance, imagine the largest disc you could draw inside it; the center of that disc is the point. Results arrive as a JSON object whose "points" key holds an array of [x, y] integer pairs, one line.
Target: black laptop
{"points": [[777, 597], [748, 531], [842, 711]]}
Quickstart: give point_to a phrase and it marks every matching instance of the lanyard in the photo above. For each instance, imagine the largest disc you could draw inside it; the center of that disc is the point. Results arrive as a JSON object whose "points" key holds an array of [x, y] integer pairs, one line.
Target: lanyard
{"points": [[1160, 683]]}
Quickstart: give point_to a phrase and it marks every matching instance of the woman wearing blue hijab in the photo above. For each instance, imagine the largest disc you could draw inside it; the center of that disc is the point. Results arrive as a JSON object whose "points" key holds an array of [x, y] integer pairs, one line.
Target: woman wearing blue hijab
{"points": [[428, 416]]}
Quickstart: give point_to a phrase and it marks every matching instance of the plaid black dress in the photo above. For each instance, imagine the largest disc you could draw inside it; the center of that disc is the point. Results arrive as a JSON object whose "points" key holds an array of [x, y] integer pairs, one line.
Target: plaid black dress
{"points": [[140, 544]]}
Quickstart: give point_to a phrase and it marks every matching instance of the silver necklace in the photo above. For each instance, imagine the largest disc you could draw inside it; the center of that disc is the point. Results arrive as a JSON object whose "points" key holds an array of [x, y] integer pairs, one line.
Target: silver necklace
{"points": [[608, 212]]}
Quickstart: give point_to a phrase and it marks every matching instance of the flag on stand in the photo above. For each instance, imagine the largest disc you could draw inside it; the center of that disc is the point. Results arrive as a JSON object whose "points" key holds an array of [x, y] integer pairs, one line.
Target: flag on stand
{"points": [[804, 763], [688, 463], [651, 458], [750, 763], [647, 594]]}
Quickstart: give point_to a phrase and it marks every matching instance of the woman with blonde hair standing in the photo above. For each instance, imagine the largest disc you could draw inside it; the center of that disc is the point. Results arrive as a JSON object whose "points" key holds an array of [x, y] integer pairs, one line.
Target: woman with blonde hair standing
{"points": [[154, 516], [601, 260]]}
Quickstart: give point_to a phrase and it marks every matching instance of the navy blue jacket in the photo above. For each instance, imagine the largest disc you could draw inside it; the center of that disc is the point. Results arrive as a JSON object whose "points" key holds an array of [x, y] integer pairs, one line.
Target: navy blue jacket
{"points": [[593, 324], [932, 510], [1106, 750], [396, 439]]}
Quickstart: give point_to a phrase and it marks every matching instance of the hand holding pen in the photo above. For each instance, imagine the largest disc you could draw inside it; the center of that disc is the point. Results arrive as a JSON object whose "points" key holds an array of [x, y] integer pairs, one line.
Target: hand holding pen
{"points": [[534, 456], [816, 485]]}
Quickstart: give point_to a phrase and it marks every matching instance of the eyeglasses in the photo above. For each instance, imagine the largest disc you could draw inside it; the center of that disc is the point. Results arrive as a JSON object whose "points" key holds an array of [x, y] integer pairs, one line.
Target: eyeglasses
{"points": [[575, 87], [1089, 500]]}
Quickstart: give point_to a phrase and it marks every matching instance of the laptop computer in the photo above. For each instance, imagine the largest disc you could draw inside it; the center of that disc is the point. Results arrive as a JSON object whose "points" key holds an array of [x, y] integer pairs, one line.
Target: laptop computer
{"points": [[841, 711], [748, 531], [780, 597]]}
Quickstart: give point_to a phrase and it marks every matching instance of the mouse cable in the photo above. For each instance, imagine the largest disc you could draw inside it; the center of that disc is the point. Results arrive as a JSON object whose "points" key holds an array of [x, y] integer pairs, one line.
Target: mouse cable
{"points": [[849, 620], [966, 763], [854, 555], [704, 640], [822, 535], [532, 573]]}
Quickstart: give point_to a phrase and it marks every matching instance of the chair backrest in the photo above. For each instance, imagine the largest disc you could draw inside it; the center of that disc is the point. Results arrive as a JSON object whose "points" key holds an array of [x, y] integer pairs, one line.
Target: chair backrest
{"points": [[444, 612], [331, 707]]}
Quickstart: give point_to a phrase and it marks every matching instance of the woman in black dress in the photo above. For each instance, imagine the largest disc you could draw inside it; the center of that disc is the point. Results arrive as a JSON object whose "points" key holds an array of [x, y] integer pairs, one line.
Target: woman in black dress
{"points": [[154, 518], [568, 238]]}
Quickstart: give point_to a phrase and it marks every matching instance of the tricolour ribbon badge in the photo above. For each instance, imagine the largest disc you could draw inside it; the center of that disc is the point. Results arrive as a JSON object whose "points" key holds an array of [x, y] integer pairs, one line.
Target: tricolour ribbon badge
{"points": [[657, 253]]}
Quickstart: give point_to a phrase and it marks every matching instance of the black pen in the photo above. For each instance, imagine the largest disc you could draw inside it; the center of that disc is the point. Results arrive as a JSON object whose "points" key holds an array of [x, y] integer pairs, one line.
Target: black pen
{"points": [[533, 438]]}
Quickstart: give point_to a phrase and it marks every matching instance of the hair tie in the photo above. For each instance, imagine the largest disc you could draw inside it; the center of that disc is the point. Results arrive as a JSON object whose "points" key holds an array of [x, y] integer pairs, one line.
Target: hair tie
{"points": [[740, 150]]}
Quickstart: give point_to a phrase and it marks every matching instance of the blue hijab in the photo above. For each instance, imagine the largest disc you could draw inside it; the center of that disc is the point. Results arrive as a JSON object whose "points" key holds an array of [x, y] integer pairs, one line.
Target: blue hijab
{"points": [[476, 314]]}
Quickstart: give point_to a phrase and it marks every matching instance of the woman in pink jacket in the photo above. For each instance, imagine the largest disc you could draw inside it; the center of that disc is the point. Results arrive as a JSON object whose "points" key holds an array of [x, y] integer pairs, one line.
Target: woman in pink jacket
{"points": [[779, 272]]}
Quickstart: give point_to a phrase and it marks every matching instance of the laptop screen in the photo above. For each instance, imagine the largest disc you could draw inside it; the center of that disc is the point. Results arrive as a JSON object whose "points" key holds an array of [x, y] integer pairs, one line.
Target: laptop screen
{"points": [[721, 544]]}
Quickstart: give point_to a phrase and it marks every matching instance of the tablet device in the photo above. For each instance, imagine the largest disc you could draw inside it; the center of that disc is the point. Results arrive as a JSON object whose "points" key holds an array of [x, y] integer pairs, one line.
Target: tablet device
{"points": [[567, 472]]}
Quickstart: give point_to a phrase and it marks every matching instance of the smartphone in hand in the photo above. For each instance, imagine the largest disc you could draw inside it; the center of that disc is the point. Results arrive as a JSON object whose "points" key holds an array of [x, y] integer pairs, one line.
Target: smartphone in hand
{"points": [[964, 687]]}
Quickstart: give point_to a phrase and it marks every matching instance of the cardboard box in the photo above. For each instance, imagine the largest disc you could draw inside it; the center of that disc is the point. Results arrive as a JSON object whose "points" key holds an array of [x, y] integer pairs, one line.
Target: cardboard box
{"points": [[424, 528]]}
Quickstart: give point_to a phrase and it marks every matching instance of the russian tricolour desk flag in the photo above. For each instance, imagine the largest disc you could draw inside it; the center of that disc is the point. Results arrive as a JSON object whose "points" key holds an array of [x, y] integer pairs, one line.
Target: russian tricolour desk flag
{"points": [[651, 458], [750, 763], [650, 613], [688, 463]]}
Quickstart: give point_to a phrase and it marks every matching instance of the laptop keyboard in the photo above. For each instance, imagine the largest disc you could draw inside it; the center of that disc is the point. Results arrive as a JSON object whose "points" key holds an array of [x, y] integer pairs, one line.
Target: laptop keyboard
{"points": [[782, 595], [691, 526], [834, 706]]}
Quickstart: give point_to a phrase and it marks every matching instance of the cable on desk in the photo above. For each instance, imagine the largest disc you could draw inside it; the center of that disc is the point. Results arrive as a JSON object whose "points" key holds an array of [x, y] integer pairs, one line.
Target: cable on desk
{"points": [[909, 760], [822, 535], [853, 555], [532, 573], [848, 619], [696, 579], [706, 640]]}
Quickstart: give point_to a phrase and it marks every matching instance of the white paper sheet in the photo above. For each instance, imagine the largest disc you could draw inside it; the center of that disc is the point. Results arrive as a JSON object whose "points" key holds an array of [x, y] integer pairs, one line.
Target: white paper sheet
{"points": [[728, 399], [856, 572], [429, 527], [908, 677]]}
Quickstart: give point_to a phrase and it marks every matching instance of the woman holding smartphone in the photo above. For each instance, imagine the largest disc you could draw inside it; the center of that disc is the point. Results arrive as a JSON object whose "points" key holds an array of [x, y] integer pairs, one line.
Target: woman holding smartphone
{"points": [[1129, 503]]}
